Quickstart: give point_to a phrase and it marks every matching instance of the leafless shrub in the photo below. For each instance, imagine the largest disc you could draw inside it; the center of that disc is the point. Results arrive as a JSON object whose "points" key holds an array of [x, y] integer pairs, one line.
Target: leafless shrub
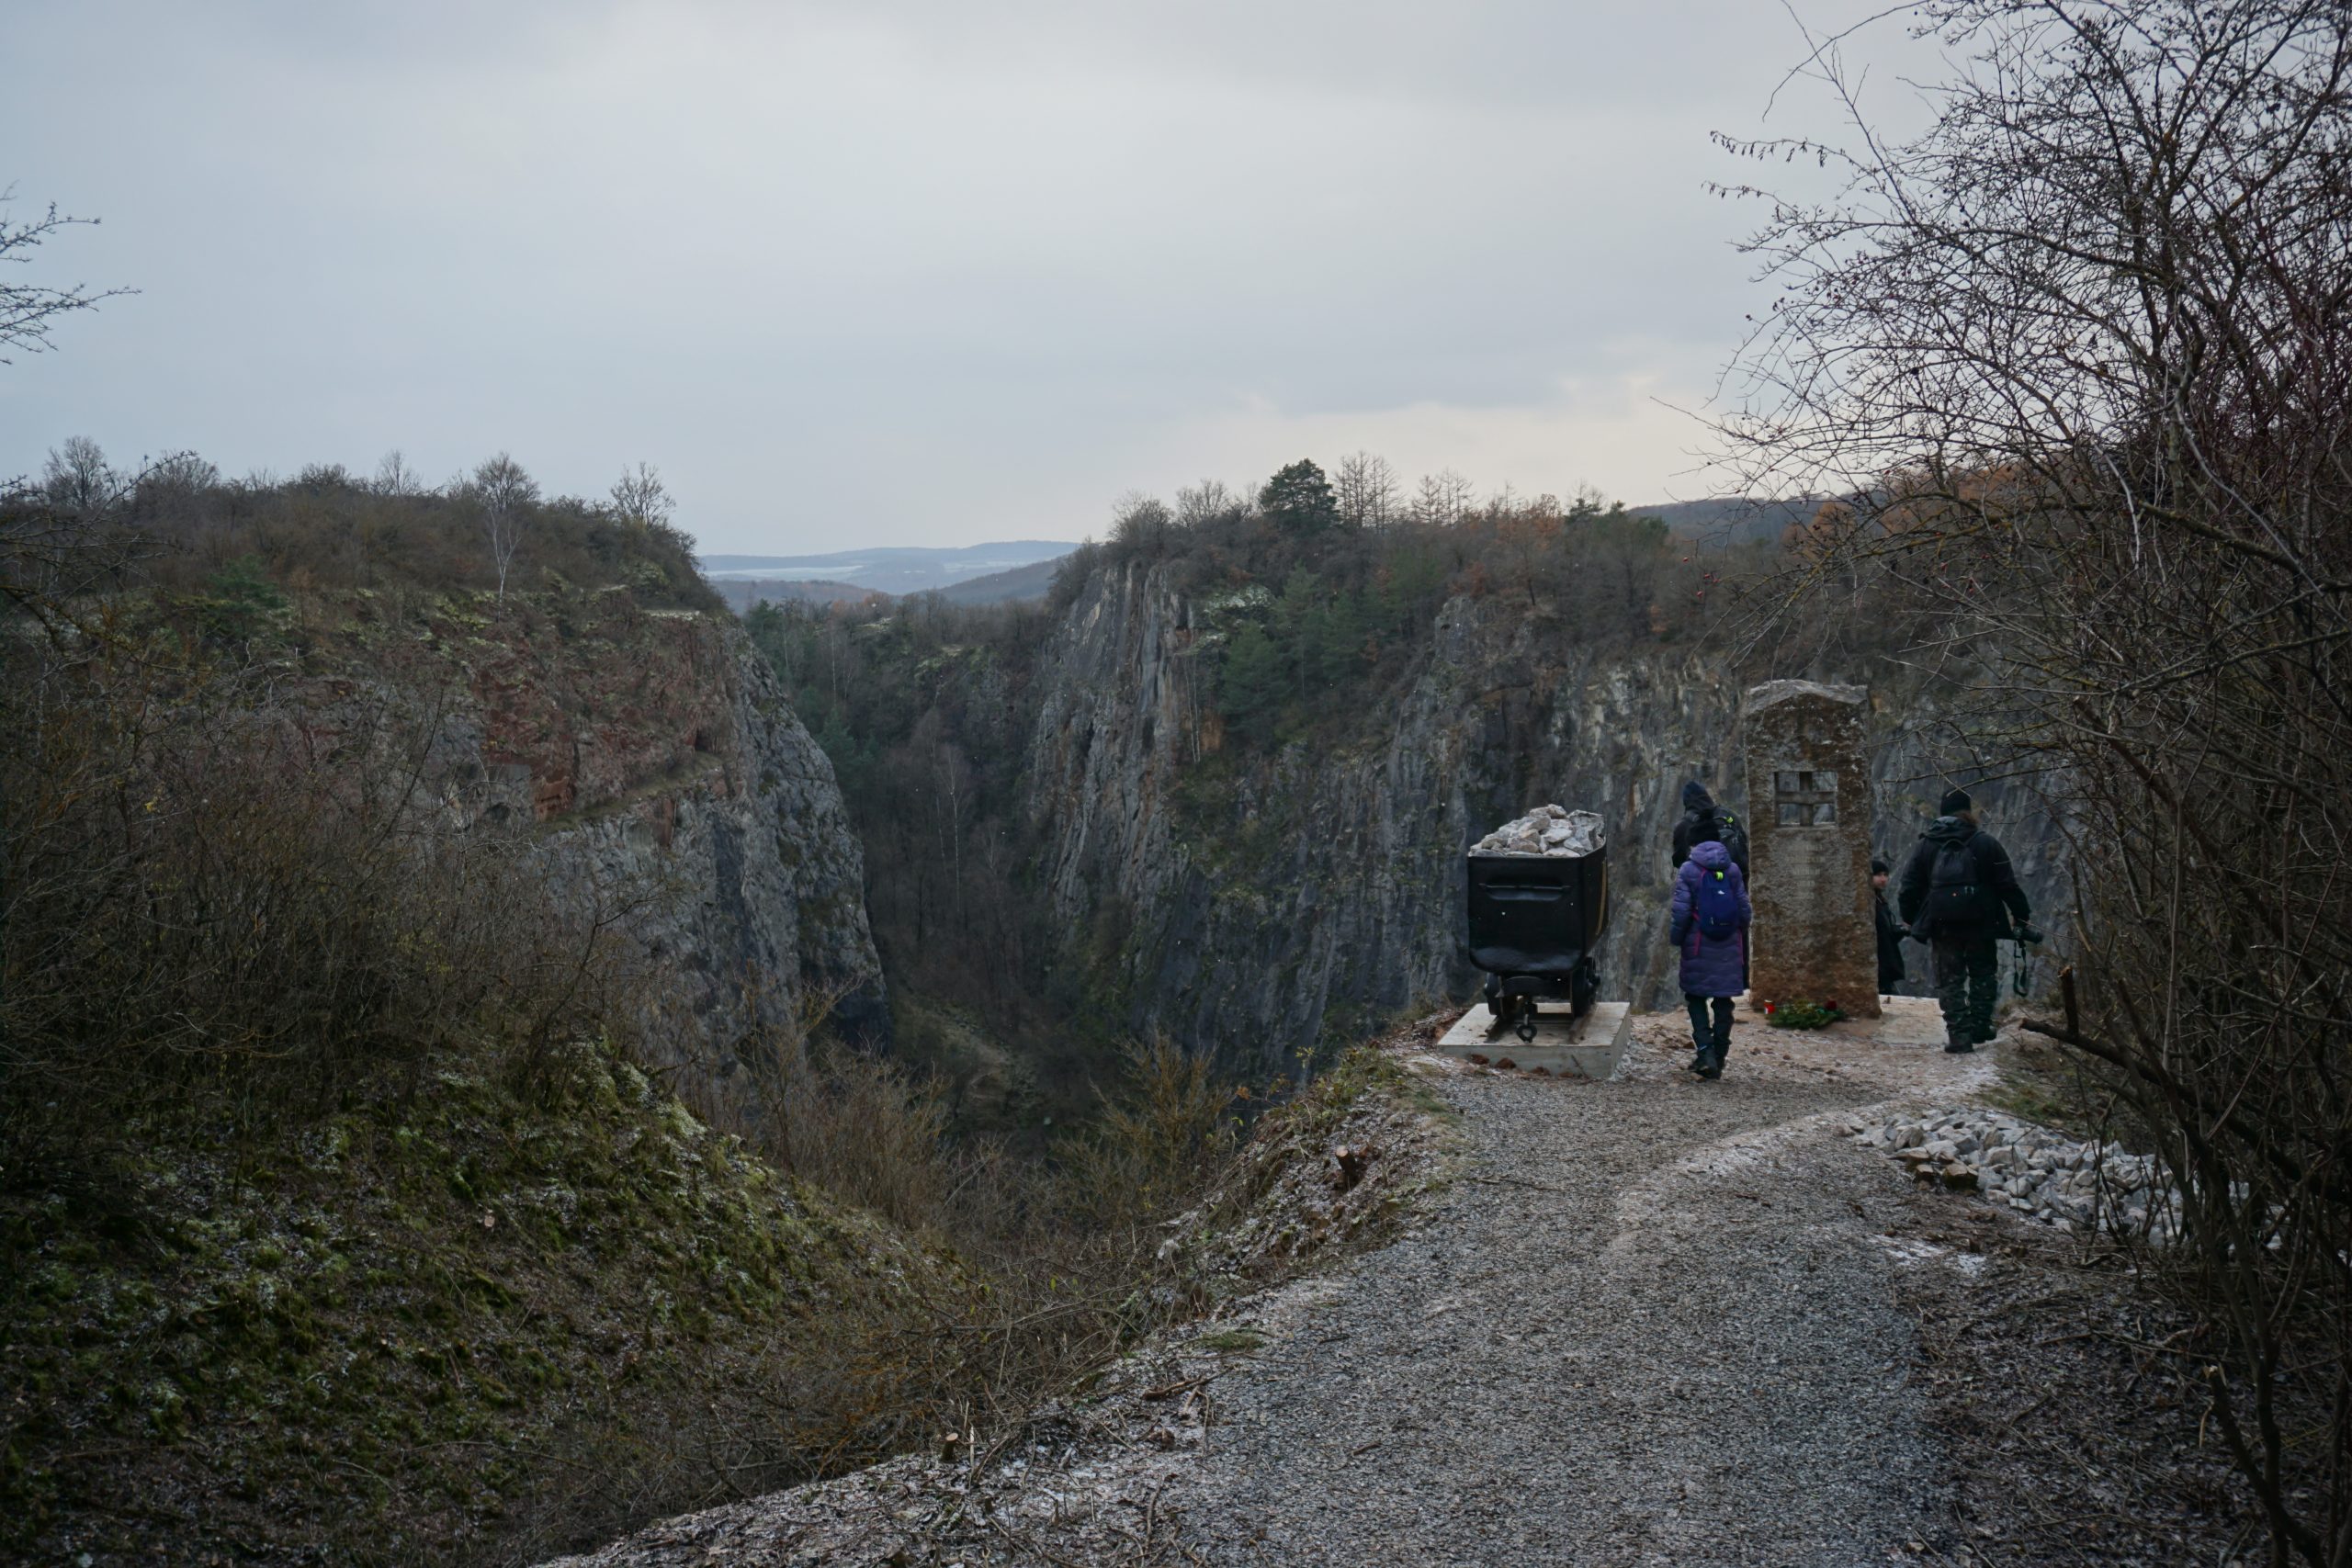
{"points": [[28, 312], [2078, 354], [209, 880], [1061, 1259], [640, 498]]}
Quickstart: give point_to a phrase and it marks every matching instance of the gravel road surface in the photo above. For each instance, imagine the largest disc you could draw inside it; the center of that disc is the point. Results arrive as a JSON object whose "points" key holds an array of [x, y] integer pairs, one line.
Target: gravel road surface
{"points": [[1651, 1324], [1652, 1321]]}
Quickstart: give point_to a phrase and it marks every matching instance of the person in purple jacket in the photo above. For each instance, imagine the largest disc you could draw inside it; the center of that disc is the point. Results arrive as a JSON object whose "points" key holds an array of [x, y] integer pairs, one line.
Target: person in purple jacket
{"points": [[1710, 927]]}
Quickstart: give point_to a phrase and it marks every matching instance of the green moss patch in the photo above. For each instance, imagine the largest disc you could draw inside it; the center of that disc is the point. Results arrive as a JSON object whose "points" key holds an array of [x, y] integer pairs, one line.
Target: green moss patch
{"points": [[446, 1323]]}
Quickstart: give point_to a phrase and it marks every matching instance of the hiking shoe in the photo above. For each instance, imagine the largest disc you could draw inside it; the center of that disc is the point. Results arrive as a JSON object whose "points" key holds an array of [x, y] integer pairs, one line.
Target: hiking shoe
{"points": [[1960, 1048], [1712, 1070]]}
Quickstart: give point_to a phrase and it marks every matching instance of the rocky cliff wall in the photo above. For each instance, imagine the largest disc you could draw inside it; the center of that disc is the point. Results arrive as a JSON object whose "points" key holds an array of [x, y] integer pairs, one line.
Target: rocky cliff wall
{"points": [[650, 761], [1259, 904]]}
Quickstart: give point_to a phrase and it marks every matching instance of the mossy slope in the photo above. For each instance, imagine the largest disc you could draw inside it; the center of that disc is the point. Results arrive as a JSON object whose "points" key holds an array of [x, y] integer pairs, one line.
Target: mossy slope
{"points": [[449, 1321]]}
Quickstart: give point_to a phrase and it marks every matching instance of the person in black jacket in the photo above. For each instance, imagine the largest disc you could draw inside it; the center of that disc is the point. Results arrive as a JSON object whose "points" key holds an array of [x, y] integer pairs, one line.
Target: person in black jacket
{"points": [[1891, 972], [1703, 820], [1960, 894]]}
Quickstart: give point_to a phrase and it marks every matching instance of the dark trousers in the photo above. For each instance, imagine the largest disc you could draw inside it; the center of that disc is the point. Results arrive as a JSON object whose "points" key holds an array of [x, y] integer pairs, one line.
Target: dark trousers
{"points": [[1968, 975], [1717, 1037]]}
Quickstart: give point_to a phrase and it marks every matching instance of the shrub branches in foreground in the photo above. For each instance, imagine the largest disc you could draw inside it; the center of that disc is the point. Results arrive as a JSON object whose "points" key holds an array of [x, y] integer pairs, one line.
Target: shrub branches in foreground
{"points": [[2082, 355]]}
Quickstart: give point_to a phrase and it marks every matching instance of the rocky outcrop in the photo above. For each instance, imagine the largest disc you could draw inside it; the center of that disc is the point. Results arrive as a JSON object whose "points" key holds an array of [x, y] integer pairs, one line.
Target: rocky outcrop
{"points": [[1257, 905], [752, 882], [652, 763]]}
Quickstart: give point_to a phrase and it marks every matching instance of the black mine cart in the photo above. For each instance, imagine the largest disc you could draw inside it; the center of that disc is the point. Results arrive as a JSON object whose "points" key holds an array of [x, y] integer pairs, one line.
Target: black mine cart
{"points": [[1535, 926]]}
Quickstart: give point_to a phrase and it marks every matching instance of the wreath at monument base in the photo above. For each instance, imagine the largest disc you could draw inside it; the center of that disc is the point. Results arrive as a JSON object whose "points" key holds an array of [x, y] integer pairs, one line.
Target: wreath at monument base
{"points": [[1800, 1015]]}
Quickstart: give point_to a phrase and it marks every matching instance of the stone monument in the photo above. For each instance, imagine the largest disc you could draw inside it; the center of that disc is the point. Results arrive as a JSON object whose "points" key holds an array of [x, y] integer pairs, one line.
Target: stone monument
{"points": [[1815, 938]]}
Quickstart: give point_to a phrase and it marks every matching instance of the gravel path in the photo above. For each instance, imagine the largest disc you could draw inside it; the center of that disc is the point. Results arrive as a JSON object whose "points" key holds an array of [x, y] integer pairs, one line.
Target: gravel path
{"points": [[1653, 1324]]}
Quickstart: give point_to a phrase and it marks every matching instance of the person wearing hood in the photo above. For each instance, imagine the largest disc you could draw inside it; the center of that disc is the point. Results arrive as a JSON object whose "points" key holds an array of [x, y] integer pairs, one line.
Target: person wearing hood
{"points": [[1959, 895], [1703, 820], [1710, 923], [1891, 972]]}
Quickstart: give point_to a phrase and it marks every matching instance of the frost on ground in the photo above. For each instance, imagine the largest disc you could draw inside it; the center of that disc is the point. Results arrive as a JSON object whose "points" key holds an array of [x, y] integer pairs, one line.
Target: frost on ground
{"points": [[1649, 1321]]}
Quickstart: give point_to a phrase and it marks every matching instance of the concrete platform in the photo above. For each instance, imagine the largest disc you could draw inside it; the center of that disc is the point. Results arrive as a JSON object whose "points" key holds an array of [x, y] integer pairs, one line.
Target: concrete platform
{"points": [[1589, 1047]]}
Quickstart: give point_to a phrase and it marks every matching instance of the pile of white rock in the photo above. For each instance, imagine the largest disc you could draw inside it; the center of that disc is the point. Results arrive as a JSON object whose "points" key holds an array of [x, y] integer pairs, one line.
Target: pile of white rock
{"points": [[1546, 831], [2039, 1173]]}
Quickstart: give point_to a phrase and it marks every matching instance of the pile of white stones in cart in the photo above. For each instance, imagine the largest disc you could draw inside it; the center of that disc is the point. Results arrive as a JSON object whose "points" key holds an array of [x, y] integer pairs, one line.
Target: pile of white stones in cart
{"points": [[2039, 1173], [1546, 831]]}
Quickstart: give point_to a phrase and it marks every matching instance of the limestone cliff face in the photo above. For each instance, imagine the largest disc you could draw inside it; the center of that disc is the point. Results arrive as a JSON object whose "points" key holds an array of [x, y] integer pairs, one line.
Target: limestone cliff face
{"points": [[1258, 903], [652, 763], [757, 912]]}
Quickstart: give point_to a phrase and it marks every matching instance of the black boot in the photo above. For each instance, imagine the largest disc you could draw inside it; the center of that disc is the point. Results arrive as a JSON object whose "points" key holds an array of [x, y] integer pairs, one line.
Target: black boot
{"points": [[1712, 1063], [1959, 1040]]}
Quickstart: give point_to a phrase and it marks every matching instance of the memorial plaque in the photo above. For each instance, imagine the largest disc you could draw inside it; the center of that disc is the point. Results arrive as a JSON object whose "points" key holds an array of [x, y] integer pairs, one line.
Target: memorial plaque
{"points": [[1809, 846]]}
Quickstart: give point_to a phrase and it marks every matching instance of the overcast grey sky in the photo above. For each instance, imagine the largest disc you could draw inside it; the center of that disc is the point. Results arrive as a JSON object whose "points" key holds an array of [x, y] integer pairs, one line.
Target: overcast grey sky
{"points": [[896, 271]]}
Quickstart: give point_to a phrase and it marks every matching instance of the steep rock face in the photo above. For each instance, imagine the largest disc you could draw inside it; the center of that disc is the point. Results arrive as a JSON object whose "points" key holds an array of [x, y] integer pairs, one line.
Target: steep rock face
{"points": [[758, 913], [1257, 904], [661, 775]]}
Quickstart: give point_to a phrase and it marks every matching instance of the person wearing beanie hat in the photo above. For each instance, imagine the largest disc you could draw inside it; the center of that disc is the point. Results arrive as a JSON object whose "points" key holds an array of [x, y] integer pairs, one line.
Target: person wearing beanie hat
{"points": [[1891, 972], [1703, 822], [1959, 896]]}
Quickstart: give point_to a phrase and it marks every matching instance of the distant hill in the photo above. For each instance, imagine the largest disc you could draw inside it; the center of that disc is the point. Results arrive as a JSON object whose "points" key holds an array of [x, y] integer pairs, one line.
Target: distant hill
{"points": [[1020, 585], [742, 593], [890, 569], [1729, 520]]}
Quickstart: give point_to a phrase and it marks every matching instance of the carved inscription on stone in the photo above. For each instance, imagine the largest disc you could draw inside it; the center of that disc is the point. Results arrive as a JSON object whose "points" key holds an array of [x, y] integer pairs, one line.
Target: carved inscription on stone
{"points": [[1802, 798]]}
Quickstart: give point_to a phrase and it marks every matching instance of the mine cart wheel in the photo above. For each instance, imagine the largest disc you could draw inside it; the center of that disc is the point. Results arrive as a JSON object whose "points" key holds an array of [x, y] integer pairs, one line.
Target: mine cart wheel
{"points": [[1500, 1009]]}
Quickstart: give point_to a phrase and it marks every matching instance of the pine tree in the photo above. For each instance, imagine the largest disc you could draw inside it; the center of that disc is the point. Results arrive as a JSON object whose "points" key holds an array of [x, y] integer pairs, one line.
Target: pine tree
{"points": [[1300, 500], [1251, 686]]}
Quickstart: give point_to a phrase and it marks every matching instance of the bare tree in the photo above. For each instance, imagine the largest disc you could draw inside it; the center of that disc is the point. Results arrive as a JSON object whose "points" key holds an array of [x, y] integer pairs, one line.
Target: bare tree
{"points": [[77, 478], [171, 492], [395, 477], [1443, 499], [1197, 503], [640, 498], [1369, 495], [28, 310], [2080, 354], [182, 472], [1141, 523], [506, 496]]}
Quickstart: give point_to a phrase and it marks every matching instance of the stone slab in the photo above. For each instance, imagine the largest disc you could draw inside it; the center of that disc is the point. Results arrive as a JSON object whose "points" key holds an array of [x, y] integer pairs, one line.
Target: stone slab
{"points": [[1809, 811], [1588, 1047]]}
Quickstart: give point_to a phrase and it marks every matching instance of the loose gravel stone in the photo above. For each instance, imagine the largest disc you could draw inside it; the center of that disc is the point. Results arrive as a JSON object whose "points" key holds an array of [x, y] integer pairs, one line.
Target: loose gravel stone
{"points": [[2042, 1172], [1653, 1324]]}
